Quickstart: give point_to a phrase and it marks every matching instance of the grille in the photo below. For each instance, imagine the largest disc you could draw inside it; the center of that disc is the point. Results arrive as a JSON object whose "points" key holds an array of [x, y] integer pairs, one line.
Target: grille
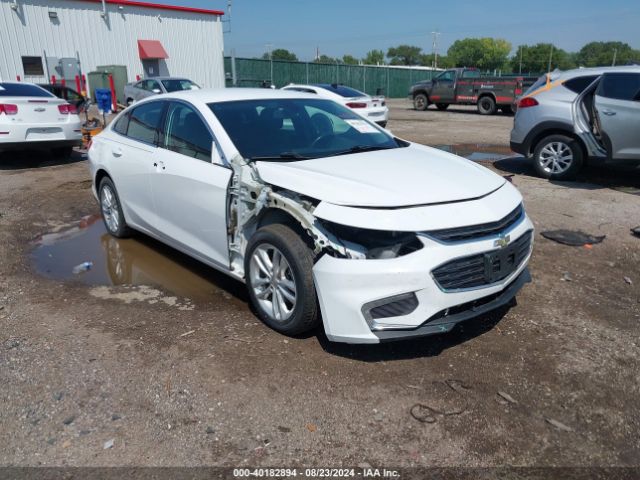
{"points": [[477, 231], [396, 308], [483, 268]]}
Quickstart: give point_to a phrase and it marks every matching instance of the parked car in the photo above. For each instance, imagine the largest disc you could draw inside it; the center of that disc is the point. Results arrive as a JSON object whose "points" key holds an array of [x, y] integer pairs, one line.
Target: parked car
{"points": [[466, 86], [69, 94], [135, 91], [567, 119], [373, 108], [30, 116], [316, 209]]}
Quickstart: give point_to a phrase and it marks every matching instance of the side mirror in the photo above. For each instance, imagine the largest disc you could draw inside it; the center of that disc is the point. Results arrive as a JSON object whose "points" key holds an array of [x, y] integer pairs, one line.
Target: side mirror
{"points": [[216, 158], [156, 90]]}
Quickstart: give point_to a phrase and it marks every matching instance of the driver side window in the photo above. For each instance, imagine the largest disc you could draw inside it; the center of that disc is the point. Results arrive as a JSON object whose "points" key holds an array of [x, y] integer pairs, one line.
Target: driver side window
{"points": [[186, 132]]}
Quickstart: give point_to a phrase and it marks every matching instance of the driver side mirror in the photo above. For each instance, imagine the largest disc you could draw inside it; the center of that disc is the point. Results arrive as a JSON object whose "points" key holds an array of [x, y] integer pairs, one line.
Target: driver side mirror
{"points": [[156, 90]]}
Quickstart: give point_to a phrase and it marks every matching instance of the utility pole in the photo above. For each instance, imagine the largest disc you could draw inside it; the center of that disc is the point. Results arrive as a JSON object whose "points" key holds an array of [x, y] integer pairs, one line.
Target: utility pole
{"points": [[615, 53], [269, 48], [550, 57], [434, 46]]}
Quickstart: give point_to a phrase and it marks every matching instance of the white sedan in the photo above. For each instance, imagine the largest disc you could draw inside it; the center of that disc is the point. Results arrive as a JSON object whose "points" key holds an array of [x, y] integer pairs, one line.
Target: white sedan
{"points": [[371, 108], [32, 117], [323, 215]]}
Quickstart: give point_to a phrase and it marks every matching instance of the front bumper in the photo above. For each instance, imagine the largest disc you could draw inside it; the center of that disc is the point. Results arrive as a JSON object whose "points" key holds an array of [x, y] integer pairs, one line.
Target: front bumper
{"points": [[345, 286]]}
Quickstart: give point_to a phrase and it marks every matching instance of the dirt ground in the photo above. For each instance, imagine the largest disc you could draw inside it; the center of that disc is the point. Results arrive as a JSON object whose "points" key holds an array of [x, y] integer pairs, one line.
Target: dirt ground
{"points": [[177, 381]]}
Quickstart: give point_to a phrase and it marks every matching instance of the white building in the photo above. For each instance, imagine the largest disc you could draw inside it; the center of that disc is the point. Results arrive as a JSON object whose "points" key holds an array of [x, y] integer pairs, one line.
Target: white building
{"points": [[62, 38]]}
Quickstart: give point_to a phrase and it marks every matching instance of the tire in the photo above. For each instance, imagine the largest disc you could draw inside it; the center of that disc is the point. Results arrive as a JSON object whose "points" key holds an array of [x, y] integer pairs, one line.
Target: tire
{"points": [[129, 102], [442, 106], [558, 157], [486, 105], [111, 209], [300, 315], [420, 102], [62, 152]]}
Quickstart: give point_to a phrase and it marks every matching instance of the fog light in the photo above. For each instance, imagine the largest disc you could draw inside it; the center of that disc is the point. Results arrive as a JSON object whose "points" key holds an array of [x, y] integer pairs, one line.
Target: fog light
{"points": [[395, 306]]}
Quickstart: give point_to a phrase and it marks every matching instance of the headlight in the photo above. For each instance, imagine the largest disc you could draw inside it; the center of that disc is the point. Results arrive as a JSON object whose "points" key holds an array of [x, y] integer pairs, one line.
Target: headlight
{"points": [[363, 243]]}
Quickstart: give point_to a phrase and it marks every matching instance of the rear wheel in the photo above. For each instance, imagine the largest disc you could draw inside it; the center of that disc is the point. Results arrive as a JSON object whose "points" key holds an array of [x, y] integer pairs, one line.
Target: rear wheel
{"points": [[420, 102], [278, 275], [442, 106], [558, 157], [111, 209], [486, 105]]}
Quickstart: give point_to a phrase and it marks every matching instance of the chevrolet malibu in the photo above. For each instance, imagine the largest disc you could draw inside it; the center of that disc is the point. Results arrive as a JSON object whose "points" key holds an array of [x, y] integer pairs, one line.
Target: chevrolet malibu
{"points": [[322, 214]]}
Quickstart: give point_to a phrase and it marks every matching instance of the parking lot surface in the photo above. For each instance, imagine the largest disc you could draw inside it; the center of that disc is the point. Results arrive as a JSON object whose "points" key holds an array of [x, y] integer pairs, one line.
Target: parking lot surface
{"points": [[152, 359]]}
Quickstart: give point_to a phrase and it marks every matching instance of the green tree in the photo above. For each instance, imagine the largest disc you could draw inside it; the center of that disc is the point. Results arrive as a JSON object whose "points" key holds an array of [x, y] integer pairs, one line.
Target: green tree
{"points": [[325, 59], [484, 53], [374, 57], [535, 58], [600, 54], [426, 59], [281, 54], [404, 55], [349, 60]]}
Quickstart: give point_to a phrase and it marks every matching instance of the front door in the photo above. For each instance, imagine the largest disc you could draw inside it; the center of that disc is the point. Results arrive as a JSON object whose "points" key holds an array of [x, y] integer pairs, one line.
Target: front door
{"points": [[444, 87], [617, 103], [190, 191]]}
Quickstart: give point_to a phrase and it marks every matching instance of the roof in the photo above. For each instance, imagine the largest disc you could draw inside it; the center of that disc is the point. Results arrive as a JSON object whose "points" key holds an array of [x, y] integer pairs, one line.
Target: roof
{"points": [[598, 70], [214, 95], [160, 6]]}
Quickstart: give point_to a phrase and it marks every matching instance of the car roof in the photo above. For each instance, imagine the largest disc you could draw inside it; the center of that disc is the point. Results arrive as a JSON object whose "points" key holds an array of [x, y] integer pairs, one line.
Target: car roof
{"points": [[578, 72], [215, 95], [166, 78]]}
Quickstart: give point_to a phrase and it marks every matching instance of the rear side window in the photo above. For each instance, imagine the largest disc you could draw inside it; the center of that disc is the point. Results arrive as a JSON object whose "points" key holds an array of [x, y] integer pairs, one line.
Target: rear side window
{"points": [[578, 84], [22, 90], [620, 86], [186, 132], [122, 124], [145, 121]]}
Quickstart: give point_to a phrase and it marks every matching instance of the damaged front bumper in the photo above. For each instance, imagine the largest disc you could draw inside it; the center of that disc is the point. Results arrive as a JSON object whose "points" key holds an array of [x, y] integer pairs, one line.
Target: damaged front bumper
{"points": [[349, 290]]}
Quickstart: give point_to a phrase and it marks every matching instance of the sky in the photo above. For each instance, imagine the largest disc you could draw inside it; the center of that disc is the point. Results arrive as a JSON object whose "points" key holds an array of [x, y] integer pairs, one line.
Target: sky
{"points": [[354, 27]]}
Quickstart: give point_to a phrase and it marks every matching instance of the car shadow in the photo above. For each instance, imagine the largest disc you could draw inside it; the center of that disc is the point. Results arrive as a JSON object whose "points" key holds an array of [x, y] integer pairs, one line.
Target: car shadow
{"points": [[430, 346], [615, 176], [32, 158]]}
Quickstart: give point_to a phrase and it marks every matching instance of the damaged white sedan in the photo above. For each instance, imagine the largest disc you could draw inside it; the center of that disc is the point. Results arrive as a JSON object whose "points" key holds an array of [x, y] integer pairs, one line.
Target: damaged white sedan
{"points": [[324, 215]]}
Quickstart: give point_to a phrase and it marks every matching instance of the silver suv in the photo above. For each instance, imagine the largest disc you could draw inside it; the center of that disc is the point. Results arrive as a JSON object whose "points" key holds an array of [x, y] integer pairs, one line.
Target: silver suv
{"points": [[567, 118]]}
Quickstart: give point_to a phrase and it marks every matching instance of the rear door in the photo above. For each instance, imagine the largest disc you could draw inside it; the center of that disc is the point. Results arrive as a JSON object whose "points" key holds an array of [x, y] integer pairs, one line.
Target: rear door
{"points": [[190, 191], [130, 156], [617, 103]]}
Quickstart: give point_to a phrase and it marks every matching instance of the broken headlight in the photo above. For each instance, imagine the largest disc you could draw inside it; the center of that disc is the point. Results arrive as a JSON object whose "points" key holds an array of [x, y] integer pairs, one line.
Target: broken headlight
{"points": [[361, 243]]}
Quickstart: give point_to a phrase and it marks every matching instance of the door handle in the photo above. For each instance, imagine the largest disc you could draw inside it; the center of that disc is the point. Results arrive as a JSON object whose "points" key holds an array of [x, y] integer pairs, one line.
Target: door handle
{"points": [[117, 152], [609, 113]]}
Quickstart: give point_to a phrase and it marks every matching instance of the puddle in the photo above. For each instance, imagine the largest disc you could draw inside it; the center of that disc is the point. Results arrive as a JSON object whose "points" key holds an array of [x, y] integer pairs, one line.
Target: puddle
{"points": [[133, 261], [479, 151]]}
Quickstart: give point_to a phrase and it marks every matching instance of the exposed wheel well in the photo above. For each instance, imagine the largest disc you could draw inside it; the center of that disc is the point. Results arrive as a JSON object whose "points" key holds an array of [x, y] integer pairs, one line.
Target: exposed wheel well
{"points": [[487, 94], [421, 92], [100, 174], [271, 216]]}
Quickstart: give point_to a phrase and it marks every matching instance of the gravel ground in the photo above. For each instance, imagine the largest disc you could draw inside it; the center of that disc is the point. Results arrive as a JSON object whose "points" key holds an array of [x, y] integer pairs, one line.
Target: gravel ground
{"points": [[165, 380]]}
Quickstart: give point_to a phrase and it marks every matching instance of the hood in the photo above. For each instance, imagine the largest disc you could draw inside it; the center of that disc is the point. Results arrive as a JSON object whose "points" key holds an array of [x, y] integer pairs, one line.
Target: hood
{"points": [[414, 175]]}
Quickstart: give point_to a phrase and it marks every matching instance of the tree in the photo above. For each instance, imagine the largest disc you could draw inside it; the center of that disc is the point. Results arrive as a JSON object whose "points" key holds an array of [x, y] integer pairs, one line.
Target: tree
{"points": [[483, 53], [325, 59], [374, 57], [281, 54], [600, 54], [349, 60], [426, 59], [535, 58], [404, 55]]}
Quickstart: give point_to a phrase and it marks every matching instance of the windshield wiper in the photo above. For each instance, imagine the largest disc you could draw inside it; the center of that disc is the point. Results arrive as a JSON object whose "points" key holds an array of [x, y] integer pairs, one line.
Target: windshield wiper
{"points": [[360, 149], [282, 156]]}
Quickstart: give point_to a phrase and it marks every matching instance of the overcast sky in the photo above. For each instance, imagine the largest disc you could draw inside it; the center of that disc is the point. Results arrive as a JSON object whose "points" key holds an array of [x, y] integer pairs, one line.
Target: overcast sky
{"points": [[356, 26]]}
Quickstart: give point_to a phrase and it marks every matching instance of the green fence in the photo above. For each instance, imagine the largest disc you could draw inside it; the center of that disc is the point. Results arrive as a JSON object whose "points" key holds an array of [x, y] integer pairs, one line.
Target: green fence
{"points": [[391, 81]]}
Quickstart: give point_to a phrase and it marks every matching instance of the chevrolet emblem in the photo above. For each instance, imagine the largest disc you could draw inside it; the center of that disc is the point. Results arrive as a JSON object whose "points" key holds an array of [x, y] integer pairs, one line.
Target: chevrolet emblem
{"points": [[502, 242]]}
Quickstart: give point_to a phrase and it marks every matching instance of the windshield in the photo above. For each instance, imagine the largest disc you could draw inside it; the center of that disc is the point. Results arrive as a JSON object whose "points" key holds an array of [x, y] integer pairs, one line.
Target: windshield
{"points": [[297, 129], [177, 84]]}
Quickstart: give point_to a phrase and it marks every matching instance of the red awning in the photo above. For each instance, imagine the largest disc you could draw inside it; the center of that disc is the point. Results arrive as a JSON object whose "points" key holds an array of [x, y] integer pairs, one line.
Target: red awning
{"points": [[151, 49]]}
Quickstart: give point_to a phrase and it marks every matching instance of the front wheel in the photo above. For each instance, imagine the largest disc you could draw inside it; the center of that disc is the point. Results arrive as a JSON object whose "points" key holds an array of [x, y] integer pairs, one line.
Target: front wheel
{"points": [[420, 102], [557, 157], [486, 105], [442, 106], [111, 209], [278, 275]]}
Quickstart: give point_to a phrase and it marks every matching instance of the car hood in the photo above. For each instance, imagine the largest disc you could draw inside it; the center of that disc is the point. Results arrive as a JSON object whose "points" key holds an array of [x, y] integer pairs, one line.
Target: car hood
{"points": [[414, 175]]}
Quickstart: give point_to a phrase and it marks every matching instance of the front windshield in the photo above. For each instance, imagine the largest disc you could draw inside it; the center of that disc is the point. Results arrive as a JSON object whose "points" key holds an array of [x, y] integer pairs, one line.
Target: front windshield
{"points": [[178, 84], [297, 129]]}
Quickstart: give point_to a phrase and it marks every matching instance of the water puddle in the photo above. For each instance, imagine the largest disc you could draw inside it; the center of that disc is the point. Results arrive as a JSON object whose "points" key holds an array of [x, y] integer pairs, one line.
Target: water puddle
{"points": [[479, 151], [133, 261]]}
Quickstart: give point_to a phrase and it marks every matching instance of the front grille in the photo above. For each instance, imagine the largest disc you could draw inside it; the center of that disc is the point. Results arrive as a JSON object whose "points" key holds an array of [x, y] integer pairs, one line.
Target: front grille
{"points": [[483, 268], [397, 308], [477, 231]]}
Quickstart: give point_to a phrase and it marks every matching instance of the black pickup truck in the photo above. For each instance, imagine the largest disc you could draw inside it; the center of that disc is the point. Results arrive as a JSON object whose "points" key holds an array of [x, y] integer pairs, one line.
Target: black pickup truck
{"points": [[466, 86]]}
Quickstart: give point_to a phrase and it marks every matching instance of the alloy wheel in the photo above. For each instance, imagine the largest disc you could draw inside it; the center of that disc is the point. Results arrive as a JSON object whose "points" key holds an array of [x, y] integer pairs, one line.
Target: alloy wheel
{"points": [[109, 206], [273, 283], [555, 157]]}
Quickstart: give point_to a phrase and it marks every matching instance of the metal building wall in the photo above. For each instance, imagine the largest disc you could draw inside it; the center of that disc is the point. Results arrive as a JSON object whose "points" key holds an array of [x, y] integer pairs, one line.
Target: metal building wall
{"points": [[193, 41]]}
